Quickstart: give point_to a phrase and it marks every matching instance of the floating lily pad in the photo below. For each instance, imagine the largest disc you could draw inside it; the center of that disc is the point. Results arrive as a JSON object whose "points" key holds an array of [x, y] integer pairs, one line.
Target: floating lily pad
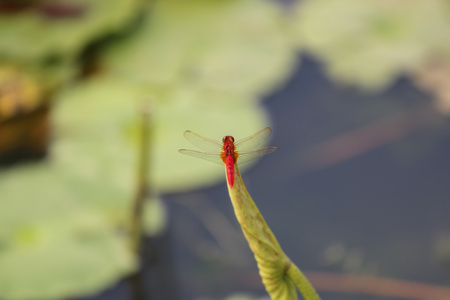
{"points": [[46, 38], [231, 46], [371, 43], [51, 246], [32, 36], [60, 218], [64, 214], [98, 131]]}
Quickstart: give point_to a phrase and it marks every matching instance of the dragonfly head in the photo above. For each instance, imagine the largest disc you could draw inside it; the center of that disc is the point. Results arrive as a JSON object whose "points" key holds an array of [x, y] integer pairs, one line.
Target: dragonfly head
{"points": [[228, 138]]}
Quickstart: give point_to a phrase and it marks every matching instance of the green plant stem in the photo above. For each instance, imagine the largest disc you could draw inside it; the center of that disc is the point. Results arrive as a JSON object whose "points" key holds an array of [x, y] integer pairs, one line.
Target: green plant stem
{"points": [[142, 188], [279, 275], [301, 282]]}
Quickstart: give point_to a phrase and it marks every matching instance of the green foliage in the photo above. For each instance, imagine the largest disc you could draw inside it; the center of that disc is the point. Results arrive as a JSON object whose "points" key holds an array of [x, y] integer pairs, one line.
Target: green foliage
{"points": [[227, 46], [371, 43], [61, 220], [30, 37], [50, 244], [98, 131], [49, 47]]}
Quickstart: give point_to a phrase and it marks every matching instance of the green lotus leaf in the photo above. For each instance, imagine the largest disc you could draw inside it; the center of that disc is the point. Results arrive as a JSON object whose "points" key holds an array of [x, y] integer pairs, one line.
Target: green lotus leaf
{"points": [[371, 43], [60, 217], [31, 36], [51, 246], [232, 45], [48, 47], [98, 131]]}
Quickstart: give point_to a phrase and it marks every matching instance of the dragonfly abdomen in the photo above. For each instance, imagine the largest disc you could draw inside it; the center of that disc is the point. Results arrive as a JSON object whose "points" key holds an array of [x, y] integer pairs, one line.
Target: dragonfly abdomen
{"points": [[229, 165]]}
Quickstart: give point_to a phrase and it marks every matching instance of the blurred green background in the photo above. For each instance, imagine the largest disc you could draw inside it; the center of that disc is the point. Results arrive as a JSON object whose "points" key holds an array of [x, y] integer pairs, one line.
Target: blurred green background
{"points": [[358, 95]]}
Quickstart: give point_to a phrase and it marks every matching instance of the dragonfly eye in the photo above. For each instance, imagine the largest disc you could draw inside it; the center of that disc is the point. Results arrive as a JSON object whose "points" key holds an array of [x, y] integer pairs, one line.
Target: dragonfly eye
{"points": [[228, 138]]}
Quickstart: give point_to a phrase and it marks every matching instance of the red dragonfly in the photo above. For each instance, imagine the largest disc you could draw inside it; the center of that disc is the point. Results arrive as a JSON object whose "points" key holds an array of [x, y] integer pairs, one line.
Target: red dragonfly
{"points": [[228, 151]]}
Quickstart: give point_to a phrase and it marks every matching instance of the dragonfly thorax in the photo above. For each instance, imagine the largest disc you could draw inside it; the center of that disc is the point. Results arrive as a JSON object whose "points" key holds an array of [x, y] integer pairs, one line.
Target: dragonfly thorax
{"points": [[228, 149]]}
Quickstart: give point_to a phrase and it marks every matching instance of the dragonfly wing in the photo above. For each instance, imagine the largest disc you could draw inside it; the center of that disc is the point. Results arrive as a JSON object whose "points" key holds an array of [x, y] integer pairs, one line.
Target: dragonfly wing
{"points": [[213, 157], [253, 141], [251, 155], [204, 143]]}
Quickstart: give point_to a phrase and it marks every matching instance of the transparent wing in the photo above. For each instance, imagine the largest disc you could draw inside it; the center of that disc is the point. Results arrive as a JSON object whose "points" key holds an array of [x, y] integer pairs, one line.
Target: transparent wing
{"points": [[253, 141], [214, 157], [204, 143], [251, 155]]}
